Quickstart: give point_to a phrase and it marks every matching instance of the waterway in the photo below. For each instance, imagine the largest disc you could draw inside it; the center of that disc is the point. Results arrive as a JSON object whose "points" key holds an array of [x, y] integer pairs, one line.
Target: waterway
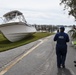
{"points": [[66, 29]]}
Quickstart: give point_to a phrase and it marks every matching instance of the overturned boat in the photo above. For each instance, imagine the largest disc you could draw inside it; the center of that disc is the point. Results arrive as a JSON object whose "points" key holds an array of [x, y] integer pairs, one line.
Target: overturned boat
{"points": [[15, 27]]}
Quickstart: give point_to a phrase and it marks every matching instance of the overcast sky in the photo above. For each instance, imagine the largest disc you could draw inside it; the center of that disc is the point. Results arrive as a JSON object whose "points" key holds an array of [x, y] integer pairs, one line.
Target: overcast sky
{"points": [[38, 11]]}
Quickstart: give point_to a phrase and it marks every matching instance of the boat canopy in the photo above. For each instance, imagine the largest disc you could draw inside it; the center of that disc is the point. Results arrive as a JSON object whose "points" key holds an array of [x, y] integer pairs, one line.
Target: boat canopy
{"points": [[12, 13], [14, 16]]}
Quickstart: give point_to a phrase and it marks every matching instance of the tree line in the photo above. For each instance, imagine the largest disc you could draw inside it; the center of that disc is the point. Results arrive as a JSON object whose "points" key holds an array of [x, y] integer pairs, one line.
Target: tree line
{"points": [[45, 28]]}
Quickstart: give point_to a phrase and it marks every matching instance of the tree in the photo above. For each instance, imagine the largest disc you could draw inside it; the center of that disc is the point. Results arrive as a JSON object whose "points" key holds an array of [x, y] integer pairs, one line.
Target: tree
{"points": [[71, 6], [73, 32]]}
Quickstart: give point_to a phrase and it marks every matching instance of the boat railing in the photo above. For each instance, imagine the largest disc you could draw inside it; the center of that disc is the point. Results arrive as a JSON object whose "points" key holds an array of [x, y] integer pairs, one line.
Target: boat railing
{"points": [[2, 20], [15, 18]]}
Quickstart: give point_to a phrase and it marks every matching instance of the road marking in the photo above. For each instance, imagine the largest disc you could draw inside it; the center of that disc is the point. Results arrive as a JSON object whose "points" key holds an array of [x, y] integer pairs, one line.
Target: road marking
{"points": [[17, 60], [72, 72]]}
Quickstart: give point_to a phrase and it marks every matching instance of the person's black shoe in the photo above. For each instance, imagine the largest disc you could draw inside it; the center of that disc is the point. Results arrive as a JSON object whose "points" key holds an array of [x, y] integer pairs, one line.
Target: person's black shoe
{"points": [[63, 66], [59, 67]]}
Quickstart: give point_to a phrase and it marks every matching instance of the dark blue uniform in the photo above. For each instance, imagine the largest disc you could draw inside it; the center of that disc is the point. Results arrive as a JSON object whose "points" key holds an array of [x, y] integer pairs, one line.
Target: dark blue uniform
{"points": [[61, 47]]}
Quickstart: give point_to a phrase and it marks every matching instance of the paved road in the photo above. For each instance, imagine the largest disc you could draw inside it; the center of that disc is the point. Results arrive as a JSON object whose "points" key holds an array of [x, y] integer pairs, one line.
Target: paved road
{"points": [[36, 58]]}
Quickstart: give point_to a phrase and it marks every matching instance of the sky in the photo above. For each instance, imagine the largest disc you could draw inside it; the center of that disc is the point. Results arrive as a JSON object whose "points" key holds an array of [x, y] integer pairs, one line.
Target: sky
{"points": [[39, 11]]}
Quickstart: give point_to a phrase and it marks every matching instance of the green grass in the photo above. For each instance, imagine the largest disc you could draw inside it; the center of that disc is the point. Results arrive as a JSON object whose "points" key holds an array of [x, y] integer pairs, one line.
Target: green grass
{"points": [[74, 42], [6, 45]]}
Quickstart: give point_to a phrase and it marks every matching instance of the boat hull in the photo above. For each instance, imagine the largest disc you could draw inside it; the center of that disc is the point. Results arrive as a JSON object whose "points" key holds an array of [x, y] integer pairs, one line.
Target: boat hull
{"points": [[16, 31]]}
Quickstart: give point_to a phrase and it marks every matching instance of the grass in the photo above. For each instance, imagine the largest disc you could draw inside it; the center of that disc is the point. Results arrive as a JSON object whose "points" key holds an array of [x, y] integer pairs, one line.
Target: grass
{"points": [[74, 42], [6, 45]]}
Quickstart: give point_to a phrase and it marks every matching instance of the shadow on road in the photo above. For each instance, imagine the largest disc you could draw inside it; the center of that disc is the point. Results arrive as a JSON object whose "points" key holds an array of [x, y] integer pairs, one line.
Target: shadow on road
{"points": [[64, 72]]}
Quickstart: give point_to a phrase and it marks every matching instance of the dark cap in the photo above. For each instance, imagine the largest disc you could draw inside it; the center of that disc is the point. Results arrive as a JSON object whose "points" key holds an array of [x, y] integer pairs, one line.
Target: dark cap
{"points": [[62, 27]]}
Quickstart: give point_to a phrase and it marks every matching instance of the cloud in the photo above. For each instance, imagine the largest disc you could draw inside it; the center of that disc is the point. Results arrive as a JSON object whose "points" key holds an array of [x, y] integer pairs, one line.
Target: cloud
{"points": [[38, 11], [33, 4]]}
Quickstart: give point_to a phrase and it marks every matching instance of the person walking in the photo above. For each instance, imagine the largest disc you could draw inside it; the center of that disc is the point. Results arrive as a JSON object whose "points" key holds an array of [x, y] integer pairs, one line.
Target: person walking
{"points": [[57, 30], [61, 47]]}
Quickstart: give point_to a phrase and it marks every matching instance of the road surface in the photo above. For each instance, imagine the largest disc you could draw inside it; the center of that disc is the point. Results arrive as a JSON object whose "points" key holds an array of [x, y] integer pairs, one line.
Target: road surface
{"points": [[36, 58]]}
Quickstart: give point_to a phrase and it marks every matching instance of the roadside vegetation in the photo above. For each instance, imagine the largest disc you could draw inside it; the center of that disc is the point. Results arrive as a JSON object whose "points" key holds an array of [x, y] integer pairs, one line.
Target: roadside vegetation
{"points": [[73, 34], [74, 42], [6, 45], [70, 5]]}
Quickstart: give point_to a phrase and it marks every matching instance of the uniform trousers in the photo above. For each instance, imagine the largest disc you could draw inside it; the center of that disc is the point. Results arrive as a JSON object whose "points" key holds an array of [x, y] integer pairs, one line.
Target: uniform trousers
{"points": [[61, 51]]}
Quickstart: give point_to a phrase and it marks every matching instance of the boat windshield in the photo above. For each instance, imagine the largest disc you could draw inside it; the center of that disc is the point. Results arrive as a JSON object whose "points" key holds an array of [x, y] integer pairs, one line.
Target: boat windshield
{"points": [[14, 16], [10, 17]]}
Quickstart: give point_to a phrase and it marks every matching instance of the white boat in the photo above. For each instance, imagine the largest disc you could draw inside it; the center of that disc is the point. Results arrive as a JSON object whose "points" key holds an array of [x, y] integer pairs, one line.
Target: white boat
{"points": [[15, 26]]}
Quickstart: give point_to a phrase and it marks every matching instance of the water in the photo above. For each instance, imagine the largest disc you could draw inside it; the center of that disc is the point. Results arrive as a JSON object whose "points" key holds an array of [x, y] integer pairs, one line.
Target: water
{"points": [[66, 29]]}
